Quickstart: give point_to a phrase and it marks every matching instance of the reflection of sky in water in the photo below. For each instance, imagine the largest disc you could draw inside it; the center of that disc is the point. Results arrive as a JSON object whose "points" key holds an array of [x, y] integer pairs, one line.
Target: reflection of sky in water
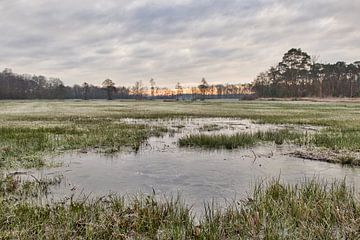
{"points": [[198, 175]]}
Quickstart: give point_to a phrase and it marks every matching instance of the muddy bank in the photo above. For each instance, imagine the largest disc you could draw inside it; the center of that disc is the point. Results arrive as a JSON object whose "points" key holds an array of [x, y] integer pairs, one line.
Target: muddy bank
{"points": [[329, 156]]}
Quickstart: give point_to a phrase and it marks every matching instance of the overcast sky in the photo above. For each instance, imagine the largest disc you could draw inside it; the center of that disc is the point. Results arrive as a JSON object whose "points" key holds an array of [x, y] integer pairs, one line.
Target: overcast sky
{"points": [[171, 40]]}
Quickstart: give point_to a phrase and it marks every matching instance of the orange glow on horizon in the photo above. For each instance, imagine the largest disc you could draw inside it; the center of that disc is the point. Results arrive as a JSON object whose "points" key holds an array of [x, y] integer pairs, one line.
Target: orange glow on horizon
{"points": [[226, 90]]}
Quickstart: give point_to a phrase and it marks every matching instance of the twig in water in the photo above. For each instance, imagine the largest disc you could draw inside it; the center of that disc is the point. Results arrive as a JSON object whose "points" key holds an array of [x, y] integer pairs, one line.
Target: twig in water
{"points": [[37, 180], [255, 157]]}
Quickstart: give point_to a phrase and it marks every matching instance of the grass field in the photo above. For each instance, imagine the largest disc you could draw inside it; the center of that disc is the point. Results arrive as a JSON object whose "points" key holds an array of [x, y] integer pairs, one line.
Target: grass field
{"points": [[296, 112]]}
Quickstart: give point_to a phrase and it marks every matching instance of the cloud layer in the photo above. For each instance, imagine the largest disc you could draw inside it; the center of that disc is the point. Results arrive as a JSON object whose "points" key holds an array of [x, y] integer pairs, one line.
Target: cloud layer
{"points": [[171, 41]]}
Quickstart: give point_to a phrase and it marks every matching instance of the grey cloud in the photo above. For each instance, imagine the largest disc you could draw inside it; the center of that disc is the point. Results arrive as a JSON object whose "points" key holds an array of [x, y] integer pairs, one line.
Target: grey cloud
{"points": [[178, 40]]}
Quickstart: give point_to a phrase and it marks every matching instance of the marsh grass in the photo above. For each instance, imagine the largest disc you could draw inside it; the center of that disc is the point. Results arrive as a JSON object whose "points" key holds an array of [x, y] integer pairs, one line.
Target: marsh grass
{"points": [[337, 139], [331, 139], [26, 146], [241, 139], [309, 210], [16, 188], [262, 111]]}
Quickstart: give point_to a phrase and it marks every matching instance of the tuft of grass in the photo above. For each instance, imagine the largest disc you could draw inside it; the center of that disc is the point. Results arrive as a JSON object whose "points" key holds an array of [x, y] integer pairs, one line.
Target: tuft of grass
{"points": [[333, 140], [281, 136], [337, 139], [240, 139], [15, 188], [311, 210], [217, 141]]}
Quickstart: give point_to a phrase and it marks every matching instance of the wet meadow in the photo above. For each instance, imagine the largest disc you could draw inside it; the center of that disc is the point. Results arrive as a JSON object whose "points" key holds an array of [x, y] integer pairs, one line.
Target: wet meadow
{"points": [[179, 170]]}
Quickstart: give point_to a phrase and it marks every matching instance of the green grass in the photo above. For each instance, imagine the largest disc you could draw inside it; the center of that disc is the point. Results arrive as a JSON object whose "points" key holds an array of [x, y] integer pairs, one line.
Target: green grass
{"points": [[329, 146], [309, 210], [241, 139], [337, 139], [26, 146], [328, 114]]}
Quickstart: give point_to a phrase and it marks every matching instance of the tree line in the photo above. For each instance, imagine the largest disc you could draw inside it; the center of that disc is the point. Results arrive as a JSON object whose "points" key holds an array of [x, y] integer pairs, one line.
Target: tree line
{"points": [[25, 86], [299, 75]]}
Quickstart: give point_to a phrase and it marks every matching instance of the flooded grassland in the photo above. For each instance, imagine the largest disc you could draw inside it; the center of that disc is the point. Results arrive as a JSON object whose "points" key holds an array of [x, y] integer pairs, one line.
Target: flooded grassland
{"points": [[115, 169]]}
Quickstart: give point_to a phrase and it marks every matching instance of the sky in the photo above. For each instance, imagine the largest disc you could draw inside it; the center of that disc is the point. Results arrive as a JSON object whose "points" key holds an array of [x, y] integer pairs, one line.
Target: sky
{"points": [[225, 41]]}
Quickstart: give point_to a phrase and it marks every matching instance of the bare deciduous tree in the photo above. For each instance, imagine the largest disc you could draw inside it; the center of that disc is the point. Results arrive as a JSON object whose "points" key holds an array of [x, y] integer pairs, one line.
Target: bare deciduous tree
{"points": [[109, 85]]}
